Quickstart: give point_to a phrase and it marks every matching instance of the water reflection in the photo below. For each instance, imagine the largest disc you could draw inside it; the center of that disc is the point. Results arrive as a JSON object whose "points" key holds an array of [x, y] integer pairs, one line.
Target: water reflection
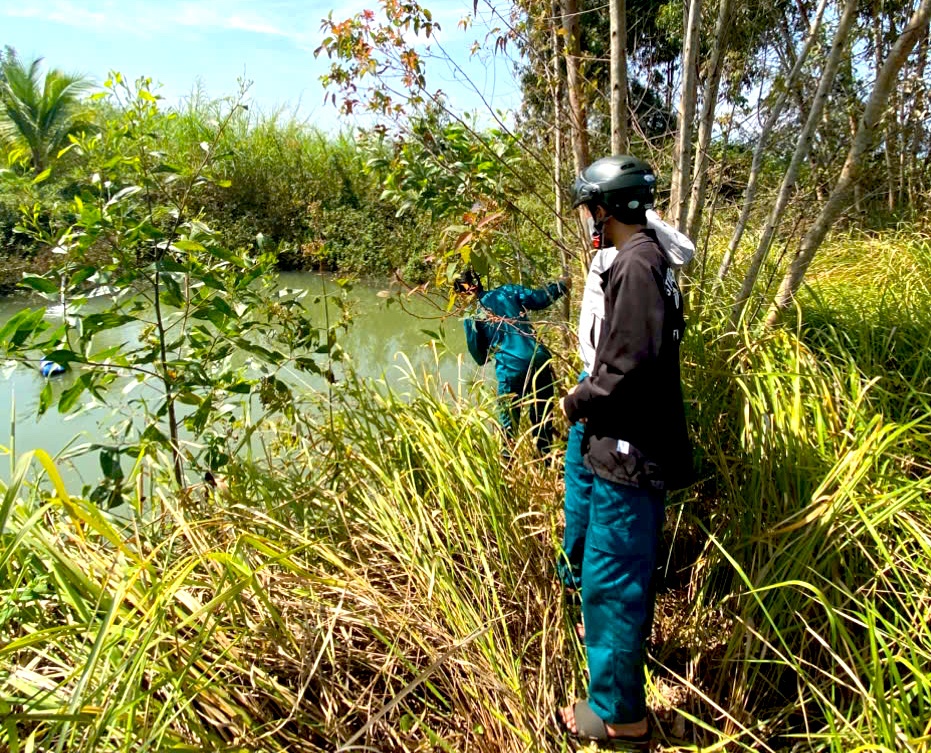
{"points": [[378, 333]]}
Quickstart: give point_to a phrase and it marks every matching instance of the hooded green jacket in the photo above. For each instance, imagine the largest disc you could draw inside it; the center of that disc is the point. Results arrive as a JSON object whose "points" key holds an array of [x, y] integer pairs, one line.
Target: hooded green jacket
{"points": [[501, 329]]}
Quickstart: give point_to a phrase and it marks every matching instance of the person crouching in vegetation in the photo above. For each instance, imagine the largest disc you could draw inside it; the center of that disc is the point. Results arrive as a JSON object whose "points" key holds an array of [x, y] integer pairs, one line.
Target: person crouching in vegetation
{"points": [[635, 443], [500, 329]]}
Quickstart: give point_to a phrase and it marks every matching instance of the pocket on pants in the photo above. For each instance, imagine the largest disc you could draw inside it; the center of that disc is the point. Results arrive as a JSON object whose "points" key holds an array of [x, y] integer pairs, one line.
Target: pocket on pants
{"points": [[622, 541], [624, 520]]}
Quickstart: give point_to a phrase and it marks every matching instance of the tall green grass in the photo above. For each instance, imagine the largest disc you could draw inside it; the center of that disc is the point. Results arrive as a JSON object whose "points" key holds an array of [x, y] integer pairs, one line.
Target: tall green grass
{"points": [[385, 556], [305, 190], [375, 577], [817, 514]]}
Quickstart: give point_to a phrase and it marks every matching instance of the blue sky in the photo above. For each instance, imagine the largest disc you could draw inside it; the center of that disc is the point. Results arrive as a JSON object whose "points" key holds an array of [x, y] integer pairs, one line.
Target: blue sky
{"points": [[271, 42]]}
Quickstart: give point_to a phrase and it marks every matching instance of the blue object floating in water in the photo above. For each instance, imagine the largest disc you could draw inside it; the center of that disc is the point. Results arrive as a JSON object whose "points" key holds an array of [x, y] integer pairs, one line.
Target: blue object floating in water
{"points": [[51, 368]]}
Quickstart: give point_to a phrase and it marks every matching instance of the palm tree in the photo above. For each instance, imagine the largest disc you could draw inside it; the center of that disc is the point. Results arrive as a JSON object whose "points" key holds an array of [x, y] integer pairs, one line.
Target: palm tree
{"points": [[40, 113]]}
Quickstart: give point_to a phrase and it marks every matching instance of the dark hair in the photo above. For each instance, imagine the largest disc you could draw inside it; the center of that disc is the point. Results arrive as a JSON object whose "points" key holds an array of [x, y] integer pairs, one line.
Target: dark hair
{"points": [[467, 281]]}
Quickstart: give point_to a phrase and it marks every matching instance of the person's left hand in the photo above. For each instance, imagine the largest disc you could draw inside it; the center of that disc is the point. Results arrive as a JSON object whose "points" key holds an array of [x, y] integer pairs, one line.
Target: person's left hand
{"points": [[562, 400]]}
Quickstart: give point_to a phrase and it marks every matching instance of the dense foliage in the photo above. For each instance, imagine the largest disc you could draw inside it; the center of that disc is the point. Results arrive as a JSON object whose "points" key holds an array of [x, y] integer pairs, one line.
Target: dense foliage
{"points": [[310, 196]]}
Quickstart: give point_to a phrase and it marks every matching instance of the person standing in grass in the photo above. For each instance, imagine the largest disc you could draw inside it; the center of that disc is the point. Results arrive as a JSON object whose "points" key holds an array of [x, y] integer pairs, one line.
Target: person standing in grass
{"points": [[634, 442], [500, 329], [679, 251]]}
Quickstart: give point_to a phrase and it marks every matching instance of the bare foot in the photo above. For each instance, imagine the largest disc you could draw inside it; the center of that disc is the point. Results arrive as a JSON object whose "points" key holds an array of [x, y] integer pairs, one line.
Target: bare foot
{"points": [[634, 729]]}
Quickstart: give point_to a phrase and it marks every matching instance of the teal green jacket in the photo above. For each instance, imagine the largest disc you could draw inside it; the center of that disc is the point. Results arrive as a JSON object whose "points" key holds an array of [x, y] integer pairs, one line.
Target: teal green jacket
{"points": [[501, 329]]}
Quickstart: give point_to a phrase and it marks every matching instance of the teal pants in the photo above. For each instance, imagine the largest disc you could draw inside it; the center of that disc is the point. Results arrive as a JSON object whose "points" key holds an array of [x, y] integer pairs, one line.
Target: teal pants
{"points": [[619, 594], [610, 549], [578, 480], [534, 388]]}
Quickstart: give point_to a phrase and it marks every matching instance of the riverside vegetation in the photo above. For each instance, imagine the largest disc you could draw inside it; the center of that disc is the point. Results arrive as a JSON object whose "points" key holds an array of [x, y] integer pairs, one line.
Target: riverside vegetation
{"points": [[367, 573]]}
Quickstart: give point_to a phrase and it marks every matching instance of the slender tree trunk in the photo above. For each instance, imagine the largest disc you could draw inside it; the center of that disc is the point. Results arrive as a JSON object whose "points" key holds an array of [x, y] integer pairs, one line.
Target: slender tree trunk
{"points": [[706, 120], [682, 164], [916, 117], [557, 89], [887, 130], [857, 189], [763, 141], [802, 100], [862, 143], [577, 116], [618, 76], [801, 152], [901, 141]]}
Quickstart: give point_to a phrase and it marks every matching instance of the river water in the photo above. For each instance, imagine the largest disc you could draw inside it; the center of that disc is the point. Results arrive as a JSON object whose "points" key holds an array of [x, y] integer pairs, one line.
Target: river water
{"points": [[375, 341]]}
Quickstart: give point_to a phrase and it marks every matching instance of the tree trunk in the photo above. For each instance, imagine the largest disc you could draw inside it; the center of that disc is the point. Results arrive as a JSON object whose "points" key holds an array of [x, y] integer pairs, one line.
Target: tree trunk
{"points": [[857, 189], [618, 76], [862, 143], [916, 117], [763, 141], [706, 120], [577, 117], [801, 152], [682, 164], [887, 131], [557, 89]]}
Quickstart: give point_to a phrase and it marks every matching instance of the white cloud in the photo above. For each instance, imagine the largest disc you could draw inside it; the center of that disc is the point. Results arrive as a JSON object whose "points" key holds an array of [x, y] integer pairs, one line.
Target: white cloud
{"points": [[255, 25], [66, 13]]}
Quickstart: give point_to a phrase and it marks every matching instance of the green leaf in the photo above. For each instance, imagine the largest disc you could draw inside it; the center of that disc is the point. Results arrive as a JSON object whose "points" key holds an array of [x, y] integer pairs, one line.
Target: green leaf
{"points": [[171, 295], [123, 193], [69, 397], [45, 398], [189, 245], [216, 458], [21, 326], [228, 256], [152, 434], [64, 357], [81, 275], [303, 363], [212, 281], [110, 464], [268, 356], [94, 323], [170, 265], [42, 176], [222, 306], [42, 284], [480, 263]]}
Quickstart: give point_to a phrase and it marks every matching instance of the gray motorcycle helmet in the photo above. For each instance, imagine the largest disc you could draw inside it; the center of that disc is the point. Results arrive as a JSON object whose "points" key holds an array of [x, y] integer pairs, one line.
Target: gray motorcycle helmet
{"points": [[623, 185]]}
